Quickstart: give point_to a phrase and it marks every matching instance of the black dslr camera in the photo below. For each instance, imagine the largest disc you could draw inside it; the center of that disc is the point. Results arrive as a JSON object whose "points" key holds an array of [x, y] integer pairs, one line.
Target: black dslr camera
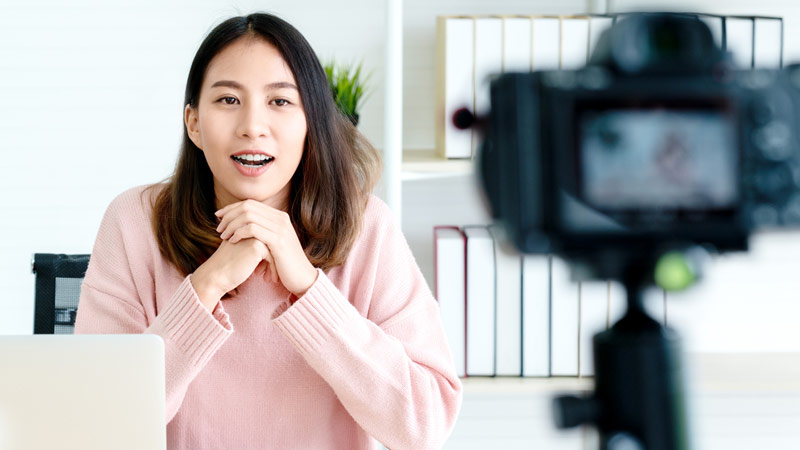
{"points": [[659, 146], [658, 141]]}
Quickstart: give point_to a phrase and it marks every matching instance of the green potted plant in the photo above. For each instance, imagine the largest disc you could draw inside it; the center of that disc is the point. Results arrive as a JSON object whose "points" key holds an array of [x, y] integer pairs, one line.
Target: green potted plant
{"points": [[348, 87]]}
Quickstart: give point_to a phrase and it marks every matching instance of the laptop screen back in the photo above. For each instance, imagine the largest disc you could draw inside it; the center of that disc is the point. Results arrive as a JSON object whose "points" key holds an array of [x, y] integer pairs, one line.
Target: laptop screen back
{"points": [[82, 391]]}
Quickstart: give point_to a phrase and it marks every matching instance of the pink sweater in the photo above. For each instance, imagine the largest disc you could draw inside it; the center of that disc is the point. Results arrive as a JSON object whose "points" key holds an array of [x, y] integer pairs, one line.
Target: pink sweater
{"points": [[361, 355]]}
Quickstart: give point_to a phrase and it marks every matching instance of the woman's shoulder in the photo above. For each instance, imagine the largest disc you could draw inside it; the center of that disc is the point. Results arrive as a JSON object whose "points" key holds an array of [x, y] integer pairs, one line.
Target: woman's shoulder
{"points": [[136, 202], [137, 198], [377, 214], [379, 223], [126, 226], [376, 205]]}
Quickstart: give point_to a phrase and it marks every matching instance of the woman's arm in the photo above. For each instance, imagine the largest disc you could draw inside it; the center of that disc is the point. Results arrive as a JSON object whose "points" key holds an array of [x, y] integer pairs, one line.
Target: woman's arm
{"points": [[119, 296], [393, 371]]}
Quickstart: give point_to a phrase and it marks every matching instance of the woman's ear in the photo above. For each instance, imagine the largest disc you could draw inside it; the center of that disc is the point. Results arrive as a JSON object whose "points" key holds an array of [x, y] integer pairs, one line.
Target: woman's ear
{"points": [[192, 128]]}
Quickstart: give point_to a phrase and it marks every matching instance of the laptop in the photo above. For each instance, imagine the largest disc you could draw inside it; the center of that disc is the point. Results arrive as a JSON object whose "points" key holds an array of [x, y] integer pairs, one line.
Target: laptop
{"points": [[88, 392]]}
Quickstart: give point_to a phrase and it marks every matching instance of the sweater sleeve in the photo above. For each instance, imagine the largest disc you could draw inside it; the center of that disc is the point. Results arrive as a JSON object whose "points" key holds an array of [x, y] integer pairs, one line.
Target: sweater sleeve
{"points": [[118, 296], [396, 379]]}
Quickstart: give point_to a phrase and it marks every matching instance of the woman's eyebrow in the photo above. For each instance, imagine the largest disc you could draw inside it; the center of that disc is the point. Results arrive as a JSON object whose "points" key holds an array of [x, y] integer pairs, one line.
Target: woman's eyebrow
{"points": [[270, 86], [228, 83], [281, 85]]}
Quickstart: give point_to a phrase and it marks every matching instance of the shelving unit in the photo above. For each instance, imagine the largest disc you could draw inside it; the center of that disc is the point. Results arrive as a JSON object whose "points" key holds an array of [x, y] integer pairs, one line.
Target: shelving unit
{"points": [[526, 385], [712, 372], [424, 164], [736, 401]]}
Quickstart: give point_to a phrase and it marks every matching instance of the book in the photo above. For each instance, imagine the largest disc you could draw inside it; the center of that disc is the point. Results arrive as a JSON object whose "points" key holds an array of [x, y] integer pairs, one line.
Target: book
{"points": [[455, 83], [480, 301], [545, 43], [768, 40], [565, 329], [517, 44], [488, 63], [597, 25], [715, 25], [739, 41], [617, 303], [536, 316], [574, 43], [449, 255], [596, 300], [508, 295]]}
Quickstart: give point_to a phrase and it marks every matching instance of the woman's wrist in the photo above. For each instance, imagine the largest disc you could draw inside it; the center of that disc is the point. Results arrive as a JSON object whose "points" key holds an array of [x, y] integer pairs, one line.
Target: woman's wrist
{"points": [[313, 275], [209, 296]]}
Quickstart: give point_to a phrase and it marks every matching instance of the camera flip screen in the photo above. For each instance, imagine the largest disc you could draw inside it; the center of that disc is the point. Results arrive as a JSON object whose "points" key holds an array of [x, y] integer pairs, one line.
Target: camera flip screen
{"points": [[665, 159]]}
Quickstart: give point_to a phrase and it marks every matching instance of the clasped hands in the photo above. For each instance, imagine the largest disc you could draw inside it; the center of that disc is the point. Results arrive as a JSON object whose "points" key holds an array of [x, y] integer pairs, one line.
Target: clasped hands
{"points": [[253, 233]]}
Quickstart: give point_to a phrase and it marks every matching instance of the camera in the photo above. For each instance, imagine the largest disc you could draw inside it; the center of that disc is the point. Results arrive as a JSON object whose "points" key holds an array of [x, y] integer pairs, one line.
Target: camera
{"points": [[657, 150], [657, 142]]}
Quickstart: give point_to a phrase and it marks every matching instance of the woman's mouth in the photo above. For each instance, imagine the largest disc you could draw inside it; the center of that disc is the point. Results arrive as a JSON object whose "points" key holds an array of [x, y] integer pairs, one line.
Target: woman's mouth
{"points": [[252, 160]]}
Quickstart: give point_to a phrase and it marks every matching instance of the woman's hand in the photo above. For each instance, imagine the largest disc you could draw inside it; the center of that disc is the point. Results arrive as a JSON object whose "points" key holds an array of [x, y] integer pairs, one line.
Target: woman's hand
{"points": [[289, 264], [229, 266]]}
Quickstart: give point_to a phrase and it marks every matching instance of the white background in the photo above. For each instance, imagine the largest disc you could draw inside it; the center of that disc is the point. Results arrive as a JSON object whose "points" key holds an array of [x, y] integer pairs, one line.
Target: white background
{"points": [[91, 104]]}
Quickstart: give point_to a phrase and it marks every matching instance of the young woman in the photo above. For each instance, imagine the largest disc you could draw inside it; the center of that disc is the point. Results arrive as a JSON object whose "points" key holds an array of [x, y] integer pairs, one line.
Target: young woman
{"points": [[292, 311]]}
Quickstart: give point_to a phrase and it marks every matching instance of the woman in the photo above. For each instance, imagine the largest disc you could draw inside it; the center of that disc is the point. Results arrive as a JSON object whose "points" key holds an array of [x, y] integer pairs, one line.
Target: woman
{"points": [[292, 310]]}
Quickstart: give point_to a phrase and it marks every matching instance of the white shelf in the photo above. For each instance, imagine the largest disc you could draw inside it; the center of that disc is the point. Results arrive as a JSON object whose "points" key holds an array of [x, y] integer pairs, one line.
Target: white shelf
{"points": [[707, 372], [424, 164], [751, 372], [526, 385]]}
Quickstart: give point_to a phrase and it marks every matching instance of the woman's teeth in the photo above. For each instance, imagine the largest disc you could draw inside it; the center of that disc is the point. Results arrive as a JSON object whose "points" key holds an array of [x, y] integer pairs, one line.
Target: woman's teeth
{"points": [[252, 160]]}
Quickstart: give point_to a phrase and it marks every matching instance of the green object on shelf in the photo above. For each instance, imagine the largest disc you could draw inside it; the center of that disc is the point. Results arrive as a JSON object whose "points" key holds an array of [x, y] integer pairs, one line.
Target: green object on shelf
{"points": [[348, 86], [674, 272]]}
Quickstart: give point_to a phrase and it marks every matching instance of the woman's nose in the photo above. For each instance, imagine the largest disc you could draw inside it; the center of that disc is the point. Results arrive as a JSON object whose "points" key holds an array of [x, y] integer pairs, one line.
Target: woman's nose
{"points": [[254, 122]]}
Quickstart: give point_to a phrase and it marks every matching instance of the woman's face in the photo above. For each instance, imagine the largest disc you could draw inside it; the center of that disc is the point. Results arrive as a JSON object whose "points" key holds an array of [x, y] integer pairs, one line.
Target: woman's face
{"points": [[249, 123]]}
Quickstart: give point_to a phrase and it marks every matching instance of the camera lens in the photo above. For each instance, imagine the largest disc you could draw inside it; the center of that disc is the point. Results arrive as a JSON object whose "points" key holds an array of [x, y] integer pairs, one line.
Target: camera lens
{"points": [[791, 212], [773, 140], [762, 112], [771, 182], [665, 42]]}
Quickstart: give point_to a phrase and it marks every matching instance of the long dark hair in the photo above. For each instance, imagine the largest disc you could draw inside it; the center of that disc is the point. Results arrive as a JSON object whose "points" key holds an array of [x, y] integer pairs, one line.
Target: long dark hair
{"points": [[329, 190]]}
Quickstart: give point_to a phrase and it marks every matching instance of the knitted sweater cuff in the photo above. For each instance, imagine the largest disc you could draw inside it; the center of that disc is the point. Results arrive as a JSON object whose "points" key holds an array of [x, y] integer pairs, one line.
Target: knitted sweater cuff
{"points": [[315, 317], [190, 327]]}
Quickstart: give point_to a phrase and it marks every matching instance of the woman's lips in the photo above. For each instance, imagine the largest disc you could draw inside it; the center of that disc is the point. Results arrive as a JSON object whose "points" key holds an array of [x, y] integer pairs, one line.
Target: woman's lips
{"points": [[251, 171]]}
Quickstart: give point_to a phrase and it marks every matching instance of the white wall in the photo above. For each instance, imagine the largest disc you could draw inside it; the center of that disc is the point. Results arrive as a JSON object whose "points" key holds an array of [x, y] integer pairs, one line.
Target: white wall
{"points": [[91, 93]]}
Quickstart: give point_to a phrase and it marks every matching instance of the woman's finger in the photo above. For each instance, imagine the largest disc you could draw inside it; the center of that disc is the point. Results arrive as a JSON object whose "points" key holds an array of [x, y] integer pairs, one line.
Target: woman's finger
{"points": [[248, 218], [229, 216], [226, 209], [234, 210], [232, 223], [271, 268], [270, 238], [256, 210]]}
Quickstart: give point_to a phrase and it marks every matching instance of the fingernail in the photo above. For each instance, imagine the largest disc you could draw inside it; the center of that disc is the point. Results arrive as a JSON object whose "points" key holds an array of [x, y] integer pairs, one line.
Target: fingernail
{"points": [[218, 213]]}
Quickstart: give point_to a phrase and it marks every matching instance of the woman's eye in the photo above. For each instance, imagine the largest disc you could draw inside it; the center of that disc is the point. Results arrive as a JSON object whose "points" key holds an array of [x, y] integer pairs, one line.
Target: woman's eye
{"points": [[281, 102], [228, 100]]}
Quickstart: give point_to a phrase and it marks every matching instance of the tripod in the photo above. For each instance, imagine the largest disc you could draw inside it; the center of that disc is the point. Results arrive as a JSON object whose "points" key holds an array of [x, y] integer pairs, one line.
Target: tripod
{"points": [[639, 399]]}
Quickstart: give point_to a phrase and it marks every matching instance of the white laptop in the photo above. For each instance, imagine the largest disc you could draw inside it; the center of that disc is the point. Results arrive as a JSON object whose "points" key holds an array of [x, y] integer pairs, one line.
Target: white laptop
{"points": [[88, 392]]}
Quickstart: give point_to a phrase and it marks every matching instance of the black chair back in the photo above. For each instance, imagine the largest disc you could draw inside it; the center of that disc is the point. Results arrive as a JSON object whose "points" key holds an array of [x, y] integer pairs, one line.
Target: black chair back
{"points": [[58, 288]]}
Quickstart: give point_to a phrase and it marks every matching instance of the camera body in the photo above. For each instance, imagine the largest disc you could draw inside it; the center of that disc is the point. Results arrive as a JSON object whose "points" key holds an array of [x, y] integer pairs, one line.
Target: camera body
{"points": [[658, 142]]}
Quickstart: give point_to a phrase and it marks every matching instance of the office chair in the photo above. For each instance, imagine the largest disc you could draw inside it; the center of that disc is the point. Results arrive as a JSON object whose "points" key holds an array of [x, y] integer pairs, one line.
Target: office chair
{"points": [[58, 288]]}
